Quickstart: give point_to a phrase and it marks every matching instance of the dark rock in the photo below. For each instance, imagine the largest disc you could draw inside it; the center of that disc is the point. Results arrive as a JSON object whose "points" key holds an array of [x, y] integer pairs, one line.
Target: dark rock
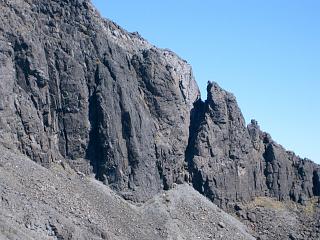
{"points": [[251, 217], [292, 237], [75, 86], [223, 164], [80, 90], [83, 88], [230, 162], [221, 224]]}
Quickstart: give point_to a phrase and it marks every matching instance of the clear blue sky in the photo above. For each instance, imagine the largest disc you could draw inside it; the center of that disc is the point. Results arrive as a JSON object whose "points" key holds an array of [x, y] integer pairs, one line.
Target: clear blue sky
{"points": [[266, 52]]}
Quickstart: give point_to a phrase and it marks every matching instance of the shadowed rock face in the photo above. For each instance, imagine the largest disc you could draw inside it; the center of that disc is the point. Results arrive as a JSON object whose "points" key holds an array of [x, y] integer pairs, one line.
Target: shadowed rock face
{"points": [[221, 157], [230, 162], [77, 88], [287, 176], [80, 88]]}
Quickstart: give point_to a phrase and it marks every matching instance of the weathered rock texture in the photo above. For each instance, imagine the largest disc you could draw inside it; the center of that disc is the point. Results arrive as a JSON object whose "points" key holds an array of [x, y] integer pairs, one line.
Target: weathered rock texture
{"points": [[37, 203], [75, 87], [78, 89], [232, 163]]}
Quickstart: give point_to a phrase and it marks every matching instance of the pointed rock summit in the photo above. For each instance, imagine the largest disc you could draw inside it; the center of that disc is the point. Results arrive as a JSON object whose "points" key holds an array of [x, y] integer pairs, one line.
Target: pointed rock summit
{"points": [[80, 91], [231, 162]]}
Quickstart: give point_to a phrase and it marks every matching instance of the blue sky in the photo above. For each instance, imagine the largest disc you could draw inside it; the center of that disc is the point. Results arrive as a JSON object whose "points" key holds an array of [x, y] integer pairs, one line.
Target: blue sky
{"points": [[266, 52]]}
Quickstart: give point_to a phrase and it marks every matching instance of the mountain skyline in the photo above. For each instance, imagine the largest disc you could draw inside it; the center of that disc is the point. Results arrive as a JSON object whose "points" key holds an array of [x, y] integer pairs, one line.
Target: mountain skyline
{"points": [[103, 135], [265, 53]]}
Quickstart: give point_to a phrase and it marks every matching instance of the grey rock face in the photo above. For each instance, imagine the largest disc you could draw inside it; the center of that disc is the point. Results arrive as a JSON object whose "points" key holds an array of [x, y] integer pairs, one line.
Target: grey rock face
{"points": [[78, 87], [232, 163], [287, 176], [220, 155]]}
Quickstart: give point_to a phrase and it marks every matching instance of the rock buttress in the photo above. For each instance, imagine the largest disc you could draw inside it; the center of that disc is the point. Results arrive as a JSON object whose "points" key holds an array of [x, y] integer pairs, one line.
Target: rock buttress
{"points": [[231, 163], [78, 88]]}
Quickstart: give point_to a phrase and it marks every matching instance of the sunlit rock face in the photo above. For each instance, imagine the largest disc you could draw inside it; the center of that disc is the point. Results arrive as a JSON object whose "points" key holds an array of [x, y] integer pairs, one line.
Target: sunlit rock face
{"points": [[79, 88], [76, 88], [231, 163]]}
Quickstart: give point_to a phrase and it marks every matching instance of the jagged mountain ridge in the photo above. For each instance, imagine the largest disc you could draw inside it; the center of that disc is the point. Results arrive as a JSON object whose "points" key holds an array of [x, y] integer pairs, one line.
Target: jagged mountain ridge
{"points": [[233, 162], [77, 88]]}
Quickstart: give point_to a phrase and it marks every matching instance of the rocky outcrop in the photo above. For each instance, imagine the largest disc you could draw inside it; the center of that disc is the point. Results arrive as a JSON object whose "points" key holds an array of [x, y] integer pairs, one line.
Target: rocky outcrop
{"points": [[80, 88], [287, 176], [220, 155], [233, 163]]}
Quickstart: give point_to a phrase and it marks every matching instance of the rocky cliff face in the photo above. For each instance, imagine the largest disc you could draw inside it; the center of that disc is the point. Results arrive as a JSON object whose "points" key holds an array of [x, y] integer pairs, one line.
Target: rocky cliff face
{"points": [[232, 163], [78, 89]]}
